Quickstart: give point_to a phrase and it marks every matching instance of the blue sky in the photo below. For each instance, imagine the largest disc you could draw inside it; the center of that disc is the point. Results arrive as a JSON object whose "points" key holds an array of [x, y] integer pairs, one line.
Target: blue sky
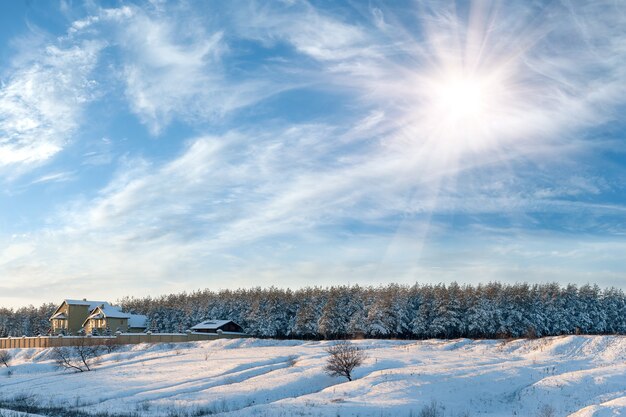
{"points": [[152, 147]]}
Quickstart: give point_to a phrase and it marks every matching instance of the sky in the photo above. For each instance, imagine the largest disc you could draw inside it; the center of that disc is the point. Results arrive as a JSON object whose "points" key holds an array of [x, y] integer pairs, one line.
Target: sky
{"points": [[157, 147]]}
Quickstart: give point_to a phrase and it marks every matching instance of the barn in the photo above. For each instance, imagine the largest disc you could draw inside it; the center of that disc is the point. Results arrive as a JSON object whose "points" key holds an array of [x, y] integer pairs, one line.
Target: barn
{"points": [[212, 326]]}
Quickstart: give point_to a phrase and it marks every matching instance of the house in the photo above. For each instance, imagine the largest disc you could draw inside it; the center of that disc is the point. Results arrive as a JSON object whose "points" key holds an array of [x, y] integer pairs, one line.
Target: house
{"points": [[212, 326], [72, 316], [107, 318], [69, 317]]}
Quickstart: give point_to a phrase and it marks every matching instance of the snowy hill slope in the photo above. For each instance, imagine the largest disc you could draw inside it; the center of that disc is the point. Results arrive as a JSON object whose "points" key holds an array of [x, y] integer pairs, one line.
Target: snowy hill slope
{"points": [[579, 376]]}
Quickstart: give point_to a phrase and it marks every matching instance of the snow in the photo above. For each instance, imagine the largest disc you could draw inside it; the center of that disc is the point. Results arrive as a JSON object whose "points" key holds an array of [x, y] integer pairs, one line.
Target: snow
{"points": [[577, 376], [10, 413], [90, 303], [210, 325], [138, 321], [109, 311], [113, 311]]}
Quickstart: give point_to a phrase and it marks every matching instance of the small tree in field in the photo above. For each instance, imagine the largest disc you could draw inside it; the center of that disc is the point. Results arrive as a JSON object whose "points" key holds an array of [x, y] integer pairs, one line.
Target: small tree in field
{"points": [[81, 357], [5, 358], [343, 358]]}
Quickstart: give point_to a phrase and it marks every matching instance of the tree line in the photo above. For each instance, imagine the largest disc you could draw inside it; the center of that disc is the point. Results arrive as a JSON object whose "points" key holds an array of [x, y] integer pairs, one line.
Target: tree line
{"points": [[493, 310], [26, 321]]}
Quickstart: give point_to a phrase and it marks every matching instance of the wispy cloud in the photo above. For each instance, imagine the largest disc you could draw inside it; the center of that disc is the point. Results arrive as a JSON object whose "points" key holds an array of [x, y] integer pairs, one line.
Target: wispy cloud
{"points": [[42, 100], [397, 185], [166, 76], [54, 177], [309, 30], [172, 67]]}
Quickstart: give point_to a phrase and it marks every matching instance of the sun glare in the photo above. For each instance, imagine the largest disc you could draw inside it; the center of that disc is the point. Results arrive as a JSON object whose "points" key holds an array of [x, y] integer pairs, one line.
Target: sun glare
{"points": [[463, 110], [460, 98], [468, 97], [461, 113]]}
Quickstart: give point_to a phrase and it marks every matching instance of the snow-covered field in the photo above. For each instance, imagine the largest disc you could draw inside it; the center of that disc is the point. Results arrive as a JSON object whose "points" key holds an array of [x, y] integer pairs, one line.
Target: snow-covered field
{"points": [[559, 376]]}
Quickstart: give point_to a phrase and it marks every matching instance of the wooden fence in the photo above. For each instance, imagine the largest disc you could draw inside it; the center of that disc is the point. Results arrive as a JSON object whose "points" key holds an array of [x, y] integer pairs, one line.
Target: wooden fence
{"points": [[120, 338]]}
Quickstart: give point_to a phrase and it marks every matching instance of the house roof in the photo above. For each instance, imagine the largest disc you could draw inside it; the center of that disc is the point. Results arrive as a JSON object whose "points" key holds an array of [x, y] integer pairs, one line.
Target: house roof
{"points": [[210, 324], [107, 311], [58, 316], [138, 321], [89, 303], [113, 312]]}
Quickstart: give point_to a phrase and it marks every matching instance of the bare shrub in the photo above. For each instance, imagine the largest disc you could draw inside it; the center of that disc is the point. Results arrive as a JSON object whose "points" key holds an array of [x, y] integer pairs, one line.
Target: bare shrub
{"points": [[292, 360], [431, 410], [144, 406], [546, 411], [5, 358], [81, 357], [343, 358]]}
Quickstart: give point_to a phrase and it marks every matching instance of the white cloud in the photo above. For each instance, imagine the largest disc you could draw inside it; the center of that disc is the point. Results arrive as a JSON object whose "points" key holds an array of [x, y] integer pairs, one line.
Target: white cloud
{"points": [[54, 177], [41, 103], [172, 68], [164, 78], [310, 31], [230, 203], [15, 251]]}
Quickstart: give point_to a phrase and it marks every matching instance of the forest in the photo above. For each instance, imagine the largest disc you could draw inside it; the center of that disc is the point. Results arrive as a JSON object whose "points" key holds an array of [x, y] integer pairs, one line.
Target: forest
{"points": [[493, 310]]}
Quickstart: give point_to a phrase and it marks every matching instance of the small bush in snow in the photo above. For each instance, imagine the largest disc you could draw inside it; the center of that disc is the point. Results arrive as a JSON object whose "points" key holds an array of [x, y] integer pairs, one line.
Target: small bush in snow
{"points": [[144, 406], [546, 411], [431, 410], [5, 358], [80, 357], [343, 358], [292, 360]]}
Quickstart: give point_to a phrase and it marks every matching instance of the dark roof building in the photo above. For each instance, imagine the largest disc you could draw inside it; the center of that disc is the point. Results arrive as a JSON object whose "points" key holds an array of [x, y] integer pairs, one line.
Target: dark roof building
{"points": [[212, 326]]}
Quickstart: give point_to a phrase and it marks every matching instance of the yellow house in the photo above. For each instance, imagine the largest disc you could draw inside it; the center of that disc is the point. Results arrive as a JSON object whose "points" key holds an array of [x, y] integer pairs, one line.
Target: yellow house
{"points": [[107, 318], [69, 317], [72, 316]]}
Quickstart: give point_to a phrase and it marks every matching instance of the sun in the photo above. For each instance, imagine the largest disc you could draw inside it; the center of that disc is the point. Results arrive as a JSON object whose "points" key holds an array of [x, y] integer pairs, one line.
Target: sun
{"points": [[465, 98], [460, 110], [460, 98], [463, 101]]}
